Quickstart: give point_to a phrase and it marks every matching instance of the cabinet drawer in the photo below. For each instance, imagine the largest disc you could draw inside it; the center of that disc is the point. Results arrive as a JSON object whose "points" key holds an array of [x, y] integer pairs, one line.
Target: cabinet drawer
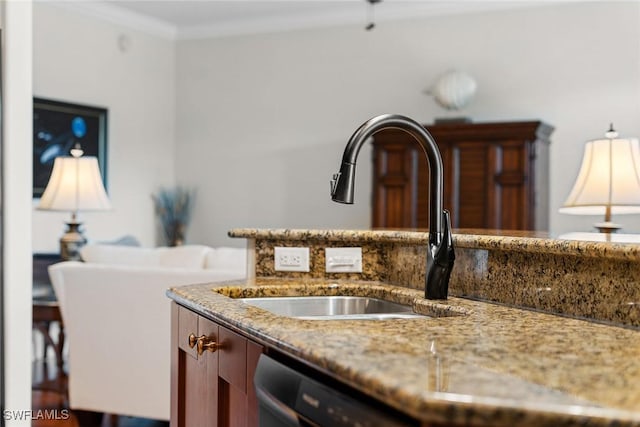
{"points": [[232, 365], [187, 325]]}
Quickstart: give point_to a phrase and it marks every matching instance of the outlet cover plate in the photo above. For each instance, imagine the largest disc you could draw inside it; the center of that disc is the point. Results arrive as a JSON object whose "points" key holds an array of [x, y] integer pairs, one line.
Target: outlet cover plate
{"points": [[343, 260], [291, 259]]}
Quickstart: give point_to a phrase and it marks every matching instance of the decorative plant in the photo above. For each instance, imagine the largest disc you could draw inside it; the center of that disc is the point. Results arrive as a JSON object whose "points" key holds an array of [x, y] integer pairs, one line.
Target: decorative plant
{"points": [[173, 208]]}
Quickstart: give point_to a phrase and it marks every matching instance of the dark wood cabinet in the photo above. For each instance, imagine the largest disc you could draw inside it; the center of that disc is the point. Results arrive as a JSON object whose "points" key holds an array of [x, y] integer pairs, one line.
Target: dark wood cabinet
{"points": [[496, 176], [212, 371]]}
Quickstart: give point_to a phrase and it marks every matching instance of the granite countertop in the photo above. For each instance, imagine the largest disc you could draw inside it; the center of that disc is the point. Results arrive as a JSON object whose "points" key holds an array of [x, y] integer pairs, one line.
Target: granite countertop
{"points": [[521, 241], [480, 363]]}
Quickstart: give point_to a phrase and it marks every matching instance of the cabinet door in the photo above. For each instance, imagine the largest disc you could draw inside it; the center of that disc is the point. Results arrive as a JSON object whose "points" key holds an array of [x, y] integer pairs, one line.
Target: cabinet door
{"points": [[471, 194], [397, 170], [194, 378], [212, 388], [488, 185], [206, 405], [253, 354], [233, 378], [237, 365]]}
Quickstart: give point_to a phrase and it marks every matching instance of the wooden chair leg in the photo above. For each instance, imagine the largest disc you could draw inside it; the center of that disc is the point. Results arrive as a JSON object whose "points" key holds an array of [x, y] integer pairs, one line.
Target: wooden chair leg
{"points": [[60, 347], [43, 328], [45, 346]]}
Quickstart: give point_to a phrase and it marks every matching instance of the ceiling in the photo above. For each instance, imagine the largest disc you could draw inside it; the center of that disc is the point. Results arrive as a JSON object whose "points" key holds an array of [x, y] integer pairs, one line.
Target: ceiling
{"points": [[180, 19]]}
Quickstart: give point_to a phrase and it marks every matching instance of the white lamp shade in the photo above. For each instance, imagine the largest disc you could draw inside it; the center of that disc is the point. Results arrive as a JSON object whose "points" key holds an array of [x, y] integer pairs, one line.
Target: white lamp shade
{"points": [[75, 185], [609, 176]]}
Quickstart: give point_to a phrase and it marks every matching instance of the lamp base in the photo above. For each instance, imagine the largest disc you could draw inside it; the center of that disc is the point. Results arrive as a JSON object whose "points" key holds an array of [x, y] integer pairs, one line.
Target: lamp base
{"points": [[72, 241], [607, 227]]}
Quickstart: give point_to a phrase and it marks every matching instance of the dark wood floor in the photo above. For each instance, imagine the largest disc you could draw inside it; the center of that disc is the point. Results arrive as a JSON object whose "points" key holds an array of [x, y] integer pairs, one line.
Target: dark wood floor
{"points": [[50, 398]]}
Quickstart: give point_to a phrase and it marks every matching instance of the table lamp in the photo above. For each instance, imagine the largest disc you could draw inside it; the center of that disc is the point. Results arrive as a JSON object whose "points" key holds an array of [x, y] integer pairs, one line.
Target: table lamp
{"points": [[75, 185], [608, 182]]}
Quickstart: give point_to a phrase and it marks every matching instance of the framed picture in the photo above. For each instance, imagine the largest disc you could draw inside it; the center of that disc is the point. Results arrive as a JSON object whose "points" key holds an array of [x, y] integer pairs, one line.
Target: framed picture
{"points": [[57, 128]]}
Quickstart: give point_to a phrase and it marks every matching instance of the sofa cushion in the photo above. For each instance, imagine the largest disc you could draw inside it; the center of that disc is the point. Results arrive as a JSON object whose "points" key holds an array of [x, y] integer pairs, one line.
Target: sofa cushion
{"points": [[187, 256], [122, 255], [225, 258]]}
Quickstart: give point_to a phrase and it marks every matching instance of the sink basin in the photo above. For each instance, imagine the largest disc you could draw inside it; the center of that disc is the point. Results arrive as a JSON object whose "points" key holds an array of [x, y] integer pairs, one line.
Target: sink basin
{"points": [[333, 307]]}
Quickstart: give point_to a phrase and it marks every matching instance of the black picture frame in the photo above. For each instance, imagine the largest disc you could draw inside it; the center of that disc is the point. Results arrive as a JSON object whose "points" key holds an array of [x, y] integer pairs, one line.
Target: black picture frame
{"points": [[57, 127]]}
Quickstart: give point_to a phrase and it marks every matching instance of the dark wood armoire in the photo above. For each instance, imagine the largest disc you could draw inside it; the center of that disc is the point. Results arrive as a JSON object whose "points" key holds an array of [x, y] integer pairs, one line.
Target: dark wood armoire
{"points": [[496, 176]]}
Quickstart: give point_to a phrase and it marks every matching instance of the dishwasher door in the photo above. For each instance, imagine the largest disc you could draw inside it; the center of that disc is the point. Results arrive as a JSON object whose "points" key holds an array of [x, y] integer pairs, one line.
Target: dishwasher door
{"points": [[287, 397]]}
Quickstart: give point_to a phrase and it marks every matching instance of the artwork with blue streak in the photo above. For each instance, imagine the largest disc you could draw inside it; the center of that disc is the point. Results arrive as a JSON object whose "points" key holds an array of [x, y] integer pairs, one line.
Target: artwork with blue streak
{"points": [[57, 127]]}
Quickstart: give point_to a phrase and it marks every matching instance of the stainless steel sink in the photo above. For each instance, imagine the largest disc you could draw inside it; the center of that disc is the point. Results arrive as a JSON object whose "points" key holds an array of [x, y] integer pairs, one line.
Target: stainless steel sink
{"points": [[333, 307]]}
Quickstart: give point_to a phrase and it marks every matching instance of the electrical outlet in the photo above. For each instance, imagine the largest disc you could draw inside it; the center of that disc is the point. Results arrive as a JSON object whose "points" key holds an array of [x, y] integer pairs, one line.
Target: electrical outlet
{"points": [[343, 260], [291, 259]]}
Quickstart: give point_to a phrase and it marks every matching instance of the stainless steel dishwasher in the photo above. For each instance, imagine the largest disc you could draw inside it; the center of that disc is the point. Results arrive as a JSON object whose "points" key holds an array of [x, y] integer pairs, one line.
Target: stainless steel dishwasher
{"points": [[288, 397]]}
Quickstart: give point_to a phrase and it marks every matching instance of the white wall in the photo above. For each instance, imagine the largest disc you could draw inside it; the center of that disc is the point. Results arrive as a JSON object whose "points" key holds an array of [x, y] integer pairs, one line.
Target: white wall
{"points": [[262, 120], [16, 23], [258, 123], [77, 59]]}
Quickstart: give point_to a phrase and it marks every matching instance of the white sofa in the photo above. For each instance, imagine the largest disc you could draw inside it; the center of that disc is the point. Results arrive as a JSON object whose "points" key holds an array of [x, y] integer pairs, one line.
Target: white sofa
{"points": [[117, 321]]}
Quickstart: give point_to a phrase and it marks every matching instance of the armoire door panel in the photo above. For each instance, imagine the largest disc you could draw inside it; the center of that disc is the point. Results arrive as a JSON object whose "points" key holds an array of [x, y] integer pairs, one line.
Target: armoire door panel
{"points": [[494, 176], [450, 157], [395, 194], [494, 195], [512, 181], [472, 190], [513, 217]]}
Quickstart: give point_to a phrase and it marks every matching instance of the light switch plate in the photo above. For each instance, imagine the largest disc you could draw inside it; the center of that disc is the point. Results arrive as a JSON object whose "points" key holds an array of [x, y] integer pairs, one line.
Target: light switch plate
{"points": [[291, 259], [343, 260]]}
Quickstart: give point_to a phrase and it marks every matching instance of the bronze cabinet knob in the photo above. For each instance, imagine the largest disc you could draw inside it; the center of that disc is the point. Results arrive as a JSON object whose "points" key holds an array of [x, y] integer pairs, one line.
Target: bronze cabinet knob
{"points": [[192, 340], [206, 344]]}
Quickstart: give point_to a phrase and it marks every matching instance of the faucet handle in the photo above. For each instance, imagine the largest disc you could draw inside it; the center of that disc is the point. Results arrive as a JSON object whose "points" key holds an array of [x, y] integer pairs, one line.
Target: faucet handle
{"points": [[440, 258], [334, 182], [445, 254]]}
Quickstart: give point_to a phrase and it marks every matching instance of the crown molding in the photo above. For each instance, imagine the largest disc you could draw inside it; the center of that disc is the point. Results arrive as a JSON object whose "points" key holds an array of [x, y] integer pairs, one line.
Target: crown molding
{"points": [[272, 24], [118, 16], [352, 13]]}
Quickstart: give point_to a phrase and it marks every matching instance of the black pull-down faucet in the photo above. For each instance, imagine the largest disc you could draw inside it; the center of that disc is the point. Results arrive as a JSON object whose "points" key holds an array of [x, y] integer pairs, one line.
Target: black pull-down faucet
{"points": [[440, 251]]}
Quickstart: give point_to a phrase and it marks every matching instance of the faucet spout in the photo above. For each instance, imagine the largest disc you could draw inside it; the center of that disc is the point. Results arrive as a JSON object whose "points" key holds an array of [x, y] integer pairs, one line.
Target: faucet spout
{"points": [[440, 250]]}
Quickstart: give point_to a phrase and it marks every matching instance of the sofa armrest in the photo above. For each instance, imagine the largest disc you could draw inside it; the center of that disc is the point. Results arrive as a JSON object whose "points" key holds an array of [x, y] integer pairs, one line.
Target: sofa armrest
{"points": [[117, 322]]}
